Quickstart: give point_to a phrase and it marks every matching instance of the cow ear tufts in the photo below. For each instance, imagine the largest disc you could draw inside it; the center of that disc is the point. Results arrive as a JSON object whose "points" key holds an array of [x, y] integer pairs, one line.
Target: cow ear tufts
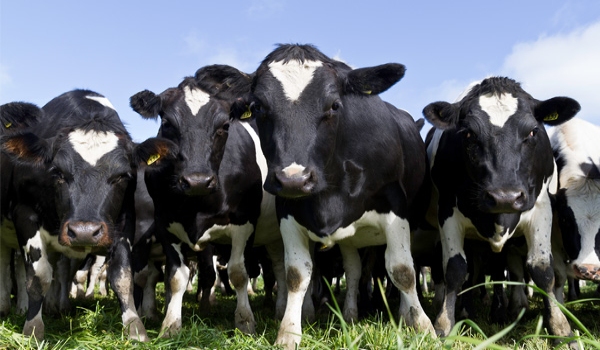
{"points": [[375, 80], [27, 148], [146, 103]]}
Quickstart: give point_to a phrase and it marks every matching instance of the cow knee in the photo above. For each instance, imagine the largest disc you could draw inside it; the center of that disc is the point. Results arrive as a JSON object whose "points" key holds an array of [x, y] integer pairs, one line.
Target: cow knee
{"points": [[403, 277], [456, 272]]}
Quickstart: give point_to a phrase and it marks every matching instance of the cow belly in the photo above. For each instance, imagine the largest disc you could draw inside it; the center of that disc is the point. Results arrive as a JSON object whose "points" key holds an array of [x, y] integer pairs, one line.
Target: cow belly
{"points": [[364, 232]]}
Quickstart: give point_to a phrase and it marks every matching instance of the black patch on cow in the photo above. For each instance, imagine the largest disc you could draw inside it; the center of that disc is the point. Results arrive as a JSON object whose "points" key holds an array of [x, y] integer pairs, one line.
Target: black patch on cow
{"points": [[568, 225], [456, 271], [590, 170]]}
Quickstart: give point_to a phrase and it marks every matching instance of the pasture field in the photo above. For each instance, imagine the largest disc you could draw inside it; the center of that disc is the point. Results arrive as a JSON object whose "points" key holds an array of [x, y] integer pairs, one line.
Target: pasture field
{"points": [[96, 324]]}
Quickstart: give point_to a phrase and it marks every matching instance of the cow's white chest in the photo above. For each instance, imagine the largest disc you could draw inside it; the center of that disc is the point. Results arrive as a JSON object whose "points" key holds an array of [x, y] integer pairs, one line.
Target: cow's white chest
{"points": [[92, 145], [369, 230]]}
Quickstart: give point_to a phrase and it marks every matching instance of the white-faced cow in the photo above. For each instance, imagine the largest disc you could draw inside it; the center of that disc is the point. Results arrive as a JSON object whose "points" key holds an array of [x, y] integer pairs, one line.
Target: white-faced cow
{"points": [[204, 176], [74, 182], [14, 117], [577, 153], [491, 166], [346, 168]]}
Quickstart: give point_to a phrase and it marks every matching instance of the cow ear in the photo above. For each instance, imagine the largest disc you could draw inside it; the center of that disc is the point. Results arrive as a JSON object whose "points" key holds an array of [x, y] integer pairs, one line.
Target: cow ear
{"points": [[442, 115], [241, 109], [27, 148], [146, 103], [154, 151], [18, 115], [556, 110], [223, 79], [375, 80]]}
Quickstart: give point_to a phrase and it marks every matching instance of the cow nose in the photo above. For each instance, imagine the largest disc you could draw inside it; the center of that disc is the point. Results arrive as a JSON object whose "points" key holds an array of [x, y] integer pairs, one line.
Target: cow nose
{"points": [[85, 233], [197, 184], [587, 272], [502, 201], [293, 186]]}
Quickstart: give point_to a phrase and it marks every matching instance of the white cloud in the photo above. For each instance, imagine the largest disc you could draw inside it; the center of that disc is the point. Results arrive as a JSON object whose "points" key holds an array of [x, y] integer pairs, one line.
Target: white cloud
{"points": [[561, 65]]}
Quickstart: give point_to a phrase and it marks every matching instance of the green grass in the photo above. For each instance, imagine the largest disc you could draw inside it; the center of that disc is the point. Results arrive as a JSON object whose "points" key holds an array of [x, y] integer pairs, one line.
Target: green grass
{"points": [[97, 325]]}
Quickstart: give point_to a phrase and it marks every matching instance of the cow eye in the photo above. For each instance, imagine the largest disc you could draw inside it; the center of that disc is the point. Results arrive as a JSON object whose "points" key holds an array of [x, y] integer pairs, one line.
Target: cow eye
{"points": [[120, 178], [223, 129], [256, 107], [57, 175], [336, 105], [533, 132]]}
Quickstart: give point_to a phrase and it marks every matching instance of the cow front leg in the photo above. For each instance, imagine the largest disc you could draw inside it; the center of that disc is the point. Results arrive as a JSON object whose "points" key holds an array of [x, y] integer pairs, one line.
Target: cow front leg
{"points": [[21, 281], [121, 281], [206, 279], [455, 273], [176, 278], [400, 267], [5, 279], [244, 318], [276, 253], [298, 269], [353, 269]]}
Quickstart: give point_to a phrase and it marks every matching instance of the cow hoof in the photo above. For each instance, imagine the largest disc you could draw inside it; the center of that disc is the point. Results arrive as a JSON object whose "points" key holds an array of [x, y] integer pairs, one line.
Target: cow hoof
{"points": [[137, 331], [35, 329], [288, 341], [170, 330], [245, 323], [350, 315]]}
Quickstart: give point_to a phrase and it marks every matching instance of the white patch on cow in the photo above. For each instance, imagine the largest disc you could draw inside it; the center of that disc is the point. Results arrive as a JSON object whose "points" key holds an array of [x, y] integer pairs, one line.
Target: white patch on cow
{"points": [[293, 169], [101, 100], [260, 157], [294, 76], [195, 99], [499, 238], [498, 108], [178, 284], [366, 231], [93, 145], [433, 146]]}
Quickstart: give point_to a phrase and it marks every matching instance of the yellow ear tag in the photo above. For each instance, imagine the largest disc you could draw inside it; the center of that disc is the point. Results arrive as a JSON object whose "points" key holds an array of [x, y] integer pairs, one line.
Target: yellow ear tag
{"points": [[153, 158], [8, 125], [551, 117], [323, 247], [247, 114], [367, 92]]}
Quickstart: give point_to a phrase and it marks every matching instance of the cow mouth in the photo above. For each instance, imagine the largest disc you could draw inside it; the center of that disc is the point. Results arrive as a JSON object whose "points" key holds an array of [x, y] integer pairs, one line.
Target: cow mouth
{"points": [[296, 186]]}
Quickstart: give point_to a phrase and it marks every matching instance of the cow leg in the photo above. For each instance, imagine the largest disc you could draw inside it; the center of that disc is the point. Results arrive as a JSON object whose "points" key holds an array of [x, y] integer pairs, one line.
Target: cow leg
{"points": [[400, 267], [94, 276], [206, 279], [5, 279], [244, 318], [176, 279], [540, 266], [353, 269], [148, 308], [121, 281], [39, 278], [276, 253], [455, 273], [21, 281], [298, 269]]}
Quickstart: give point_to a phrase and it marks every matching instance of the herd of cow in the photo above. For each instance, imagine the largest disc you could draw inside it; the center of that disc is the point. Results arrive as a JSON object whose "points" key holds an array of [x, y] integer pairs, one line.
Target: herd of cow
{"points": [[297, 157]]}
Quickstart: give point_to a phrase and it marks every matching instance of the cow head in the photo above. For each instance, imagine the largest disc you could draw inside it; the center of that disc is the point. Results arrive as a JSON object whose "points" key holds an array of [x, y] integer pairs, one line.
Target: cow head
{"points": [[195, 118], [577, 204], [87, 165], [299, 99], [503, 141]]}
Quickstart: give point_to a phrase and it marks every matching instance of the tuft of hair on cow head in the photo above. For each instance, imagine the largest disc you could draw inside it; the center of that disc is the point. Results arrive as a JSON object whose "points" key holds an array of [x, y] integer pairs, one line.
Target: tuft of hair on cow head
{"points": [[556, 110], [27, 148], [442, 115], [154, 151], [146, 103], [374, 80], [18, 115], [219, 79]]}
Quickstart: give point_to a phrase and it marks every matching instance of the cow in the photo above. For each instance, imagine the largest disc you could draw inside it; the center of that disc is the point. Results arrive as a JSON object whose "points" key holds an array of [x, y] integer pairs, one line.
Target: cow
{"points": [[346, 168], [14, 117], [205, 178], [577, 202], [491, 166], [74, 180]]}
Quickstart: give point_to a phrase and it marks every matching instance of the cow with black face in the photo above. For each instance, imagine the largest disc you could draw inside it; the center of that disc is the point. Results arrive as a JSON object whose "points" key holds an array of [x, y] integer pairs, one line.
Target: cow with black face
{"points": [[205, 179], [346, 168], [14, 117], [74, 182], [577, 237], [492, 166]]}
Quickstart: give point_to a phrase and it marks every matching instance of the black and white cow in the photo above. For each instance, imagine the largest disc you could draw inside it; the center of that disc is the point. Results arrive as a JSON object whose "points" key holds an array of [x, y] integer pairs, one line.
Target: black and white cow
{"points": [[491, 166], [14, 117], [577, 153], [204, 176], [346, 168], [74, 182]]}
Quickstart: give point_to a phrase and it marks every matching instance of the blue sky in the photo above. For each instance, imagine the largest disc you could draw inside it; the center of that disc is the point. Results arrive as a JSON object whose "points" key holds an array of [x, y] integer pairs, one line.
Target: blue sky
{"points": [[118, 48]]}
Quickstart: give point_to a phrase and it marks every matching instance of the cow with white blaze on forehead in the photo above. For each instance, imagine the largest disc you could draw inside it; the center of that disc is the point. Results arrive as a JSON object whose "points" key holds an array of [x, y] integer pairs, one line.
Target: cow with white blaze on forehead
{"points": [[346, 168], [492, 166], [577, 205], [205, 173], [74, 183]]}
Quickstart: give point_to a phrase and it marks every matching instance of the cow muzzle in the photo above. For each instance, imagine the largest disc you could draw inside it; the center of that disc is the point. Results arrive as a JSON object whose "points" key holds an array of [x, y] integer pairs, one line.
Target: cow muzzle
{"points": [[85, 233], [587, 272], [505, 200], [198, 184], [292, 186]]}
